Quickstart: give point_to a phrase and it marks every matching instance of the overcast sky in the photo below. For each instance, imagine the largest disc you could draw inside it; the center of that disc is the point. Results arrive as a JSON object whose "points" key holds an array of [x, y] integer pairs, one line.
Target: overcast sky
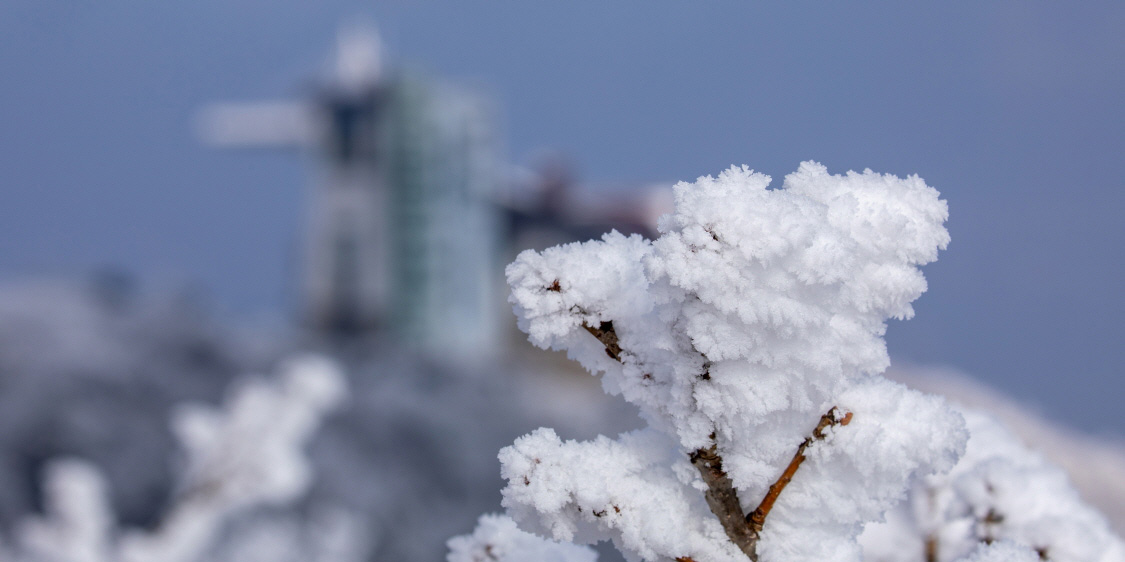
{"points": [[1013, 110]]}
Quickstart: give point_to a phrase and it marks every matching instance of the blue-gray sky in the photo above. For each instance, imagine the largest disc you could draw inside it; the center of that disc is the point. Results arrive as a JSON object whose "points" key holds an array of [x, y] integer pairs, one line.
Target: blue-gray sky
{"points": [[1013, 110]]}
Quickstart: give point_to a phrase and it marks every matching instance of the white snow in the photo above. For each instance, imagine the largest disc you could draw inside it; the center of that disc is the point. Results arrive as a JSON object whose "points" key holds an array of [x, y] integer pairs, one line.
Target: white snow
{"points": [[497, 539], [247, 455], [755, 312], [1005, 551], [999, 491]]}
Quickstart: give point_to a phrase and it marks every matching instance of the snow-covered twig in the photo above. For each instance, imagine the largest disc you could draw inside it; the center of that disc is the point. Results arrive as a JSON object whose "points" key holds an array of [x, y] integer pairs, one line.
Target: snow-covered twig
{"points": [[722, 498], [757, 519], [247, 455], [754, 313]]}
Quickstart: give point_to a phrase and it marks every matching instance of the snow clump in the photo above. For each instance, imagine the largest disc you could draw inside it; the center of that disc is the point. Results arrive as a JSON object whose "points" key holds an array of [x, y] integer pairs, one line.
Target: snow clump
{"points": [[999, 491], [756, 313], [497, 538]]}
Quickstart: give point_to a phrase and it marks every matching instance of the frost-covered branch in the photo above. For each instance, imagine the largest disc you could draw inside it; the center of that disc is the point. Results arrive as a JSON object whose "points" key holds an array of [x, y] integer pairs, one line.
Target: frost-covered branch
{"points": [[721, 496], [723, 500], [1000, 493], [247, 455], [250, 454], [605, 334], [78, 522], [757, 519], [755, 312], [497, 539]]}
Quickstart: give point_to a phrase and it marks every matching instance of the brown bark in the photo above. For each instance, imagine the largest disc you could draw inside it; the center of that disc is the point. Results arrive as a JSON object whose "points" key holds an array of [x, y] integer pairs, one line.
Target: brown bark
{"points": [[721, 496], [757, 519], [931, 549], [723, 500], [605, 334]]}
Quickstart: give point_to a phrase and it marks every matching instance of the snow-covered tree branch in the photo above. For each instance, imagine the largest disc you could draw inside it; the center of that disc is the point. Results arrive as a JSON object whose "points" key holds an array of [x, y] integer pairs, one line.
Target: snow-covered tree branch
{"points": [[248, 455], [998, 492], [750, 335]]}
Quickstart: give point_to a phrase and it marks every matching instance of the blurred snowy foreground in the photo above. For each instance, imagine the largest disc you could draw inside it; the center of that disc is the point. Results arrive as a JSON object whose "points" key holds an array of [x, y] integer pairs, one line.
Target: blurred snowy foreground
{"points": [[132, 425], [748, 336]]}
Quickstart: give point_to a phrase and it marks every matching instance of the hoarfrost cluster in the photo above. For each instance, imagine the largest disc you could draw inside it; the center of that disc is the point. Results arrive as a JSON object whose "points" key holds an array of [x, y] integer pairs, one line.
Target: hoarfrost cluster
{"points": [[95, 371], [998, 491], [750, 336], [497, 538], [247, 456]]}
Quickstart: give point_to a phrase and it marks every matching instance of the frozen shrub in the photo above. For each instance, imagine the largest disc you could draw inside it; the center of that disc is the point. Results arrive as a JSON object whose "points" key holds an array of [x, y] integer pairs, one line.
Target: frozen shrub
{"points": [[750, 336], [1003, 552], [998, 492], [248, 455], [497, 538]]}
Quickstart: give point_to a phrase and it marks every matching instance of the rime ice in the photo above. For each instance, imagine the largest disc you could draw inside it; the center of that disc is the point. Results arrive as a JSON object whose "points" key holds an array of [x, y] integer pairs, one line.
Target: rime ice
{"points": [[497, 538], [756, 311], [750, 336], [246, 455], [1006, 551], [999, 492]]}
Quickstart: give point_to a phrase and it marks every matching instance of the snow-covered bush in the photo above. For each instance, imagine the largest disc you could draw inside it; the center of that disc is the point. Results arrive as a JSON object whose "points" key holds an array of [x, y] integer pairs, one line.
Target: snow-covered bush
{"points": [[750, 336], [497, 538], [998, 491], [93, 369], [249, 455]]}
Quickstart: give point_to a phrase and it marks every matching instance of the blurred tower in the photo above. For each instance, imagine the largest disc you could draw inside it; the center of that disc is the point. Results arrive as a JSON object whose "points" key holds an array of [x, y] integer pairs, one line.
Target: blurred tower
{"points": [[402, 237], [345, 278], [443, 169]]}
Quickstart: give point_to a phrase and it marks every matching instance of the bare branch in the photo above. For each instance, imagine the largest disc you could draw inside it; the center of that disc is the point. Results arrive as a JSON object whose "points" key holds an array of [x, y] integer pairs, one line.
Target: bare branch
{"points": [[723, 500], [605, 334], [931, 548], [757, 519]]}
